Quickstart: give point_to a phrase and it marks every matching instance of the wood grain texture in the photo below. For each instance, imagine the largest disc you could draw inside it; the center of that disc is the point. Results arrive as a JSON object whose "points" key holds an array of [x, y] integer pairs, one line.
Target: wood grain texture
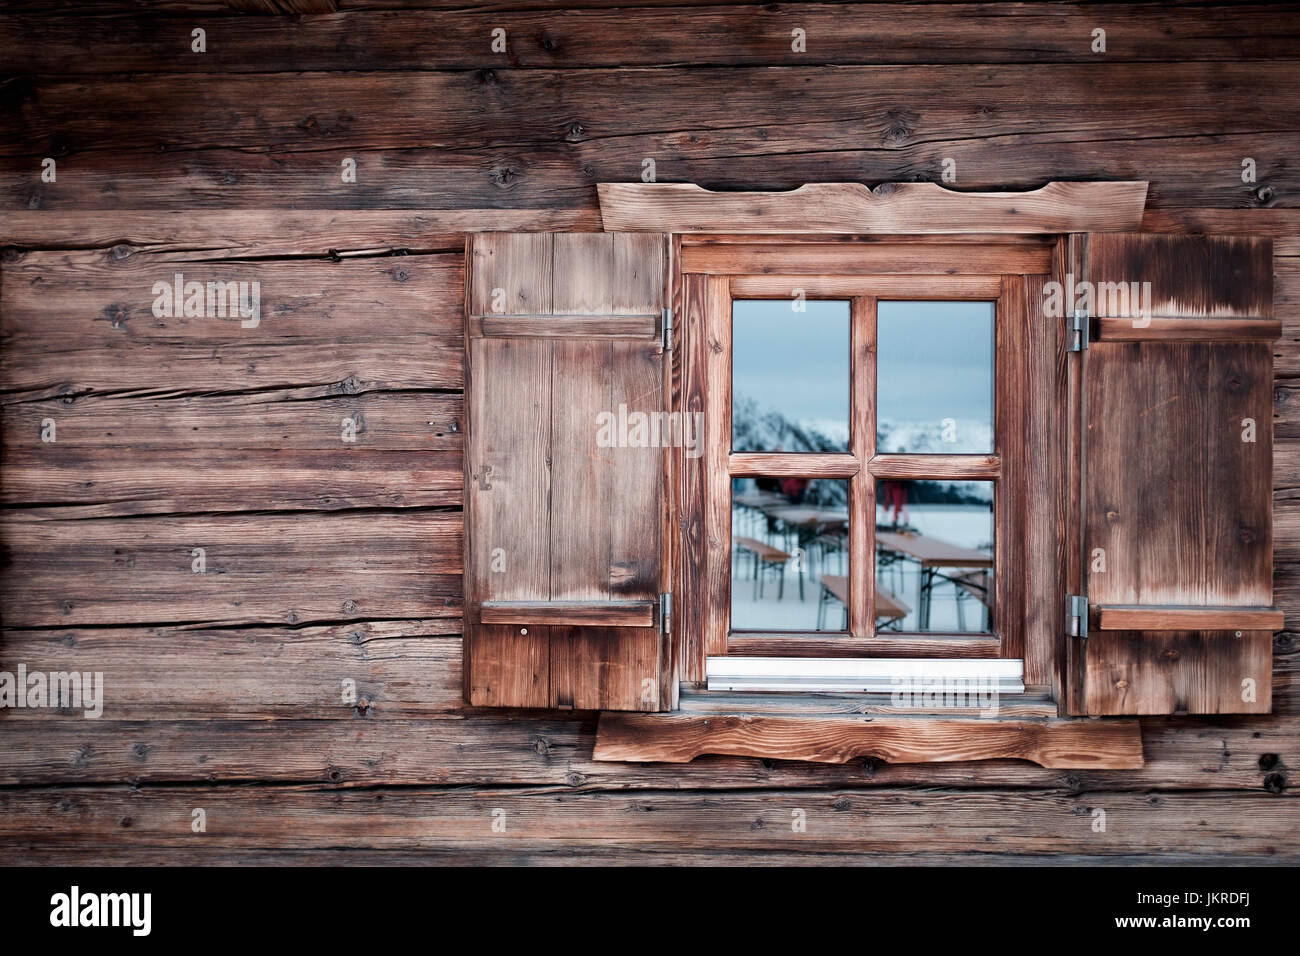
{"points": [[1150, 618], [259, 568], [866, 259], [1045, 454], [676, 738], [1179, 502], [1164, 328], [243, 233], [853, 208], [776, 464], [622, 613], [908, 467], [316, 329], [1193, 277], [581, 508], [1178, 672], [578, 33]]}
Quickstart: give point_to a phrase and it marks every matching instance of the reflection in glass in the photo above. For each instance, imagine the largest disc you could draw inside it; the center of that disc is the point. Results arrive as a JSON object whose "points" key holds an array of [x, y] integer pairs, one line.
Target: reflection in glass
{"points": [[790, 375], [934, 377], [789, 554], [934, 556]]}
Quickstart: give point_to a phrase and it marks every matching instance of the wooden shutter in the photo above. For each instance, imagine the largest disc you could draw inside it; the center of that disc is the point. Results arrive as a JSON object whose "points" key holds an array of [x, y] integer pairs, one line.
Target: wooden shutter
{"points": [[1176, 469], [563, 569]]}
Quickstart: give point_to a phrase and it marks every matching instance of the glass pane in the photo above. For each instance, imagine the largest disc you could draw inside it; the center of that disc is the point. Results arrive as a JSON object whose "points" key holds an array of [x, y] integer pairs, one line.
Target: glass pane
{"points": [[934, 377], [934, 556], [789, 375], [789, 554]]}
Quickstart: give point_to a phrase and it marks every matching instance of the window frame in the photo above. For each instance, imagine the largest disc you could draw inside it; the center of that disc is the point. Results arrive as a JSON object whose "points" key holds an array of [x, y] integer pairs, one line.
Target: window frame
{"points": [[863, 271]]}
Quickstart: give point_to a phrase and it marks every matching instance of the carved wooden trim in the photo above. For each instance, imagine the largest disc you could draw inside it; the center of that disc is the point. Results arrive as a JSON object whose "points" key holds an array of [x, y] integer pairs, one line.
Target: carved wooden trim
{"points": [[1053, 743], [852, 208]]}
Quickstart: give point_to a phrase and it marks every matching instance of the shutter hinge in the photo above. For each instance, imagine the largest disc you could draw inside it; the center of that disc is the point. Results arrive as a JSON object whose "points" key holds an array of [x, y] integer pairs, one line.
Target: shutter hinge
{"points": [[1076, 616], [667, 315], [1079, 330], [666, 612]]}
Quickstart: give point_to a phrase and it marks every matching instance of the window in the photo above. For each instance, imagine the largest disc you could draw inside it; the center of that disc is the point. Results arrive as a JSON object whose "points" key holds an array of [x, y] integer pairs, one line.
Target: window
{"points": [[930, 447], [868, 459]]}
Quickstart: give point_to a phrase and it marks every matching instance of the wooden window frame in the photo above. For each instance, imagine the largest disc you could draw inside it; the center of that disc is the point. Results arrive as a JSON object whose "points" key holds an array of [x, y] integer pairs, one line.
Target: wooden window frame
{"points": [[864, 271]]}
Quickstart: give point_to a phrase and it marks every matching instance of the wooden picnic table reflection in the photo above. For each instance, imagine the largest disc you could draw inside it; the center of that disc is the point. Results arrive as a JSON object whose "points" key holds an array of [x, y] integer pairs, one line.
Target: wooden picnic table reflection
{"points": [[933, 556], [888, 607]]}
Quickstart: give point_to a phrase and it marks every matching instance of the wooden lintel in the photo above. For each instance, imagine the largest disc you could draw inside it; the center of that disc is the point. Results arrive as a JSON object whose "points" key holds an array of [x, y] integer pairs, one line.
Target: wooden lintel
{"points": [[1053, 743], [1158, 618], [853, 208]]}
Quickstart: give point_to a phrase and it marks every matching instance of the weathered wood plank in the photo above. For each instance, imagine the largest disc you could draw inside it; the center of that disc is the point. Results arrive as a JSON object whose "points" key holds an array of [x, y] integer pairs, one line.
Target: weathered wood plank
{"points": [[405, 668], [1038, 123], [679, 738], [84, 320], [1248, 754], [117, 456], [855, 209], [839, 822], [745, 34], [237, 233], [292, 569]]}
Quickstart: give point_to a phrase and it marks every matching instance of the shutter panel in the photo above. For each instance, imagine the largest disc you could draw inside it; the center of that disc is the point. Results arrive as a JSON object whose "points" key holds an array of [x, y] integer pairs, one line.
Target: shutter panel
{"points": [[1177, 543], [563, 567]]}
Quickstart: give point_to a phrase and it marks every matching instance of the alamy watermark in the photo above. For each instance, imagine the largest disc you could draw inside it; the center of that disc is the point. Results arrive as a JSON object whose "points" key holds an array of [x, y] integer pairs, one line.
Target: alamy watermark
{"points": [[215, 300], [60, 690], [625, 429], [1127, 299], [978, 692]]}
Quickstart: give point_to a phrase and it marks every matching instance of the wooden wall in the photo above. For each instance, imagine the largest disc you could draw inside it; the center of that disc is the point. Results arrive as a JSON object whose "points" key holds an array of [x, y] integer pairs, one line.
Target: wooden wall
{"points": [[329, 561]]}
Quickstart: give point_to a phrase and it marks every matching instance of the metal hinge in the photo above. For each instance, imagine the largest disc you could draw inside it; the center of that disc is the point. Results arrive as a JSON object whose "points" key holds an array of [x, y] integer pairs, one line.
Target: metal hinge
{"points": [[1076, 616], [668, 328], [1079, 330], [666, 612]]}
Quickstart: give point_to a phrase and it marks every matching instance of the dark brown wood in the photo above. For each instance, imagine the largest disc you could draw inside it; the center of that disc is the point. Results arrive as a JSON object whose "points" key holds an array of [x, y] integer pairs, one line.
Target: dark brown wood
{"points": [[1150, 618], [853, 209], [578, 33], [677, 738], [609, 613]]}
